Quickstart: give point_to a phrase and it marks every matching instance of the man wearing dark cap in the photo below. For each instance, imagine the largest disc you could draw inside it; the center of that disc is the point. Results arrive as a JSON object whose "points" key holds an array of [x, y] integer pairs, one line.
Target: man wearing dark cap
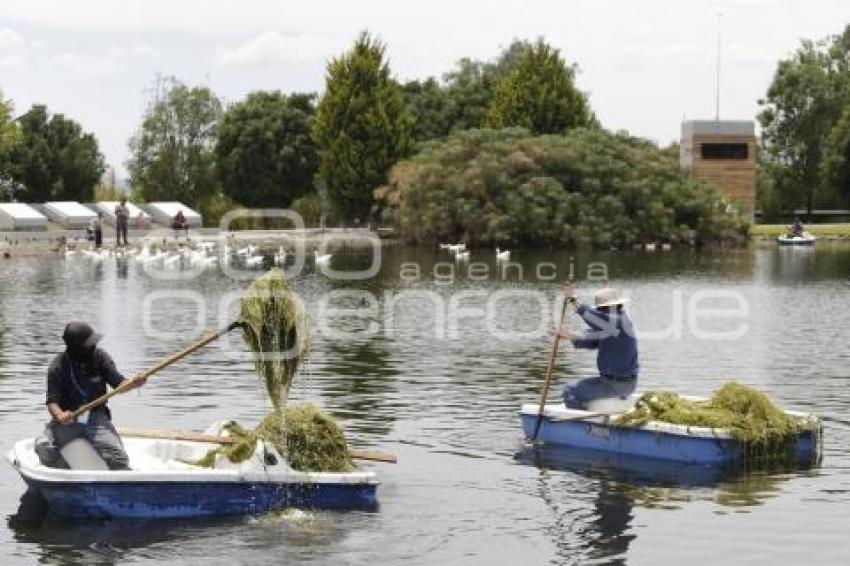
{"points": [[78, 375]]}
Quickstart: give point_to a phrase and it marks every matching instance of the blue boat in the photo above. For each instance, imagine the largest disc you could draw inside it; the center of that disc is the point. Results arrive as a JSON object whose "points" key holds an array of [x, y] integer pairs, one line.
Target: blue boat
{"points": [[592, 430], [162, 484]]}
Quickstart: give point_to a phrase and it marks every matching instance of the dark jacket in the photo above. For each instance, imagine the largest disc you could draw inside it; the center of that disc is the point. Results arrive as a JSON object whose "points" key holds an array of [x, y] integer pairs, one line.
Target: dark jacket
{"points": [[71, 384], [614, 336]]}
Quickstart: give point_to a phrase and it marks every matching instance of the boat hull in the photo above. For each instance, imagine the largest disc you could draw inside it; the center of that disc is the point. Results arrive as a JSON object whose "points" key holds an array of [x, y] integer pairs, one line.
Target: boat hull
{"points": [[669, 442], [797, 241], [162, 484], [150, 500]]}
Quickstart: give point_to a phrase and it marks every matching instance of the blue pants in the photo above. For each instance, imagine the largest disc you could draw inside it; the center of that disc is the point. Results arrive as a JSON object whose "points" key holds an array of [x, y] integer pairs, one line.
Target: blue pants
{"points": [[577, 395]]}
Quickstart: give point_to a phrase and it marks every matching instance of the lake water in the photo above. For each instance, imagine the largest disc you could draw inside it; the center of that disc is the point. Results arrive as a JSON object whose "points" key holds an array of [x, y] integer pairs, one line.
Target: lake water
{"points": [[433, 366]]}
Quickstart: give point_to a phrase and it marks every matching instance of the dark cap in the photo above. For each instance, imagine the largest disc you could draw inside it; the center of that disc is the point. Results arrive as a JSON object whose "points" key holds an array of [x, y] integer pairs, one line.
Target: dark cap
{"points": [[80, 335]]}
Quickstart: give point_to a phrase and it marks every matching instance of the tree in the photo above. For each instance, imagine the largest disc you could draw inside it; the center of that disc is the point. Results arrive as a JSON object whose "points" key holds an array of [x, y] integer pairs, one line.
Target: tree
{"points": [[429, 105], [807, 96], [362, 126], [539, 93], [586, 188], [265, 155], [471, 84], [10, 136], [172, 155], [55, 159], [835, 168]]}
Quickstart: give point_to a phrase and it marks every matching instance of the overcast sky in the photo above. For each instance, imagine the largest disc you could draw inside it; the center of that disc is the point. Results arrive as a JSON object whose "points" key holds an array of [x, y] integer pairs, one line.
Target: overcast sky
{"points": [[645, 64]]}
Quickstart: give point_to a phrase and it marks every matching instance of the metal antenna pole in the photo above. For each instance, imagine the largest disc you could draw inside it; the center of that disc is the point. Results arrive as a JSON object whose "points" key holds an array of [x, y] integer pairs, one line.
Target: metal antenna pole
{"points": [[717, 91]]}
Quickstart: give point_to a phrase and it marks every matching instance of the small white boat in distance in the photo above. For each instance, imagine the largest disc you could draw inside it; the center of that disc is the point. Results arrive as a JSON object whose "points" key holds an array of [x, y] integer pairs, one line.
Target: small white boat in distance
{"points": [[462, 256], [503, 255], [805, 239]]}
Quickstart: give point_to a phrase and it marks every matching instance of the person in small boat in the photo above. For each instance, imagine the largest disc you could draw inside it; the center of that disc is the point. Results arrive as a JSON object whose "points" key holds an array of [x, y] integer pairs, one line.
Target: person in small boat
{"points": [[797, 228], [76, 376], [612, 334]]}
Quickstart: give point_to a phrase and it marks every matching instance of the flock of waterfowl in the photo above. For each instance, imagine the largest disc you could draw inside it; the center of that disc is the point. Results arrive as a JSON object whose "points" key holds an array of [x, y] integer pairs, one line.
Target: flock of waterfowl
{"points": [[193, 255]]}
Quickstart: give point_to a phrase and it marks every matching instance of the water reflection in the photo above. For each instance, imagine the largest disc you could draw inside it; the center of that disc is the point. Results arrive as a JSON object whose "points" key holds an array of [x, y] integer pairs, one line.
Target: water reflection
{"points": [[660, 484]]}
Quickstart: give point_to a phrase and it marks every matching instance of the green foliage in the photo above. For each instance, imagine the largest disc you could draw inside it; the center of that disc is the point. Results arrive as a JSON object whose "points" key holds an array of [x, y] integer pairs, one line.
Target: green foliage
{"points": [[309, 439], [275, 327], [470, 86], [538, 94], [586, 188], [265, 156], [311, 210], [362, 126], [429, 105], [835, 168], [54, 159], [10, 136], [767, 432], [172, 155], [807, 96]]}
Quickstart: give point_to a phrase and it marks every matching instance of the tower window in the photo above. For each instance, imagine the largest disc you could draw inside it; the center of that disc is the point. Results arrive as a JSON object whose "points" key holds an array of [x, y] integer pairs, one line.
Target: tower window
{"points": [[739, 151]]}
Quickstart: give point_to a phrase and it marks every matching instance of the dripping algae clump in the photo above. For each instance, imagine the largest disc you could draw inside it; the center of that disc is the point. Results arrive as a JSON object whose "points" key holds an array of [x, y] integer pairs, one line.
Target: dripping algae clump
{"points": [[768, 433], [275, 328]]}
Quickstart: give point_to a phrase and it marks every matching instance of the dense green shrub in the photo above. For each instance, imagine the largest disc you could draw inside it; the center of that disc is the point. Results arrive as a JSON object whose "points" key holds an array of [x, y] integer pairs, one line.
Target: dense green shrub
{"points": [[586, 188]]}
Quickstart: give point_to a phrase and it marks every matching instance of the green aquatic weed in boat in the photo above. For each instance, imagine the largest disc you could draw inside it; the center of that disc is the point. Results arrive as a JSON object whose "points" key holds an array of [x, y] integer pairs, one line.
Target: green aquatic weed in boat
{"points": [[274, 325], [767, 432], [306, 437]]}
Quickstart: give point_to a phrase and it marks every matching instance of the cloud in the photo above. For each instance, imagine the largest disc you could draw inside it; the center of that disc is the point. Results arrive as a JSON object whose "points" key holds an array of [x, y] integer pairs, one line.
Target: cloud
{"points": [[13, 48], [274, 48], [101, 63]]}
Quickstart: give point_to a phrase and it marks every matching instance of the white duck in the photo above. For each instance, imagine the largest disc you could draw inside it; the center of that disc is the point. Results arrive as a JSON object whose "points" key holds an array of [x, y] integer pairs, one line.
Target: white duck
{"points": [[503, 255], [254, 262], [280, 256], [322, 259]]}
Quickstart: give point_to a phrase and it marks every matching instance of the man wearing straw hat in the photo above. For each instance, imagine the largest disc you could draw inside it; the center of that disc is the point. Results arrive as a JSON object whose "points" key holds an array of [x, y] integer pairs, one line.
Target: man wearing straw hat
{"points": [[78, 375], [612, 334]]}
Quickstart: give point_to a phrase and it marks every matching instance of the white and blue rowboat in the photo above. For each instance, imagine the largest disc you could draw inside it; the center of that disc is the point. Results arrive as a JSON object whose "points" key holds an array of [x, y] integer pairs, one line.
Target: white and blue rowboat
{"points": [[594, 430], [790, 240], [162, 485]]}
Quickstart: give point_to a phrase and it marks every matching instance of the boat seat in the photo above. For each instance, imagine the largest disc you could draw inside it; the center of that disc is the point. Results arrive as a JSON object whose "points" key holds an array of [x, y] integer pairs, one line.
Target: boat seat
{"points": [[611, 405]]}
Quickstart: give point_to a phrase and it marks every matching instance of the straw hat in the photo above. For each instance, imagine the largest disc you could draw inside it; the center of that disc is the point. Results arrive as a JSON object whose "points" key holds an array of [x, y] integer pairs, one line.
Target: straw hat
{"points": [[608, 297]]}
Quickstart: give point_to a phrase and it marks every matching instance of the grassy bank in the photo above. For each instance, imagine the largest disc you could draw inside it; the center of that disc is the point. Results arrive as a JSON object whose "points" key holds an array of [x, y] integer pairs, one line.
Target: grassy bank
{"points": [[827, 231]]}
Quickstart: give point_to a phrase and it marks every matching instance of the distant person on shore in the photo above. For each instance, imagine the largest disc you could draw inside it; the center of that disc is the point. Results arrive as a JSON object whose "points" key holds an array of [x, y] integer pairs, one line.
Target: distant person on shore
{"points": [[122, 217], [797, 228], [180, 223], [612, 334], [94, 233], [76, 376]]}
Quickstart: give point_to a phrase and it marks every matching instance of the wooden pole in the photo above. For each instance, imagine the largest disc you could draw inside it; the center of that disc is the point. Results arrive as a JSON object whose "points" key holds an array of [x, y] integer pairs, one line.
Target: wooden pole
{"points": [[548, 379], [188, 436], [128, 384]]}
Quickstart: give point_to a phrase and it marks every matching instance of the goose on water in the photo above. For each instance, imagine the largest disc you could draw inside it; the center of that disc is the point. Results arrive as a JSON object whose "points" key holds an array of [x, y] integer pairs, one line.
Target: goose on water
{"points": [[322, 258], [503, 255]]}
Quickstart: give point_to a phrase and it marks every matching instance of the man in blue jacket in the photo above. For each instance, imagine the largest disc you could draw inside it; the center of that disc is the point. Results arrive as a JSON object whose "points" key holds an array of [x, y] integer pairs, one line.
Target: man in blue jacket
{"points": [[612, 334]]}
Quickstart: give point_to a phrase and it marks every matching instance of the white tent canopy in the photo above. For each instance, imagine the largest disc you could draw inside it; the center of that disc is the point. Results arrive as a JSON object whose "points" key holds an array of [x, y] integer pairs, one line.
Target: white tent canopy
{"points": [[69, 214], [138, 217], [164, 212], [20, 216]]}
